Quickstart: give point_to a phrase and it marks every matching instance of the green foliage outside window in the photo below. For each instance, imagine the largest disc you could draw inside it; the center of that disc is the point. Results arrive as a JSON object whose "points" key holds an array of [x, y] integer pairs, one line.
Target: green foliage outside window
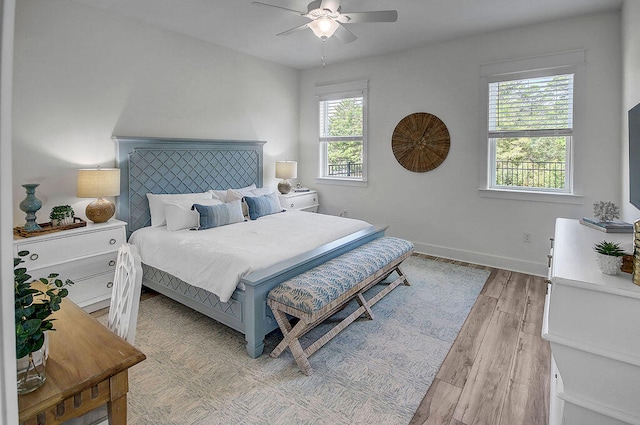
{"points": [[346, 120], [531, 162]]}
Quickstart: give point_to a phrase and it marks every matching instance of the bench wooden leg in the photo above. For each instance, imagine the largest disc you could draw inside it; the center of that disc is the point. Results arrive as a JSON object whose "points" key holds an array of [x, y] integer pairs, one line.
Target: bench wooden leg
{"points": [[285, 327], [300, 356], [403, 276], [390, 287], [364, 304], [335, 330], [291, 340]]}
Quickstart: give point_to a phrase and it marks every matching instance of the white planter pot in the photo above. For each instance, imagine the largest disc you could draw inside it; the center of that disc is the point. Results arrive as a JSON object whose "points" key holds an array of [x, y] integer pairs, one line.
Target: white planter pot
{"points": [[609, 264], [62, 222]]}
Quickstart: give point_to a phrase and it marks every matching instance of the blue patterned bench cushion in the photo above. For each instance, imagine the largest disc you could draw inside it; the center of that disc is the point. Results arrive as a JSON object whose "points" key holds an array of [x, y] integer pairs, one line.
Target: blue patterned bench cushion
{"points": [[318, 287]]}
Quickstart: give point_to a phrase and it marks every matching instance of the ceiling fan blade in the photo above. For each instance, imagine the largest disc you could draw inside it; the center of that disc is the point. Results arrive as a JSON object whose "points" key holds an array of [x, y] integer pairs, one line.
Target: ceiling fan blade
{"points": [[376, 16], [344, 35], [287, 32], [279, 7], [332, 5]]}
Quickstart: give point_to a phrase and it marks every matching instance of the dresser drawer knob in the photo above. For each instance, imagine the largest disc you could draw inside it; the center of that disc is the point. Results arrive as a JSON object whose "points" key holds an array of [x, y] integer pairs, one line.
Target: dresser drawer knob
{"points": [[112, 241], [292, 205], [112, 263], [33, 257], [314, 199], [109, 284]]}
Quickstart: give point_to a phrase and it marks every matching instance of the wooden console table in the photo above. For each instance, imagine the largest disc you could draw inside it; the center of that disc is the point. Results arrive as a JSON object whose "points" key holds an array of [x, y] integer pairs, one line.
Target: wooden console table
{"points": [[87, 368]]}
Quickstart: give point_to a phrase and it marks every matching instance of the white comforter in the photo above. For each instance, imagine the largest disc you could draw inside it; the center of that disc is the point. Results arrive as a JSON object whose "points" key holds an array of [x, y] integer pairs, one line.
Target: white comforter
{"points": [[215, 259]]}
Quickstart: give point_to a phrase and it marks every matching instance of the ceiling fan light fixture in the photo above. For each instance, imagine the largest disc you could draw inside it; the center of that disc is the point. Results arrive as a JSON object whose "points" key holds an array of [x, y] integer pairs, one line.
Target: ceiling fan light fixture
{"points": [[323, 27]]}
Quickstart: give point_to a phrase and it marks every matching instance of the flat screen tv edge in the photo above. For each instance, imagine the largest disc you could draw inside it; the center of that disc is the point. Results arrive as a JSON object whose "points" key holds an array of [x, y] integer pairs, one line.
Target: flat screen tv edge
{"points": [[634, 156]]}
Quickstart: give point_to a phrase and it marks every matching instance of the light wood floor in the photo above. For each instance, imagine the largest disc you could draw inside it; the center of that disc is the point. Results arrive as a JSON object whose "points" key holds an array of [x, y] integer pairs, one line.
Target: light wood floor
{"points": [[497, 371]]}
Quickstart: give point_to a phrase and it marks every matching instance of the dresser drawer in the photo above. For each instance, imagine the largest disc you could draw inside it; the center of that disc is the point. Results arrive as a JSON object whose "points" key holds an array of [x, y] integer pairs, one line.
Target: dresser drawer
{"points": [[80, 269], [299, 202], [312, 208], [595, 318], [86, 292], [45, 253]]}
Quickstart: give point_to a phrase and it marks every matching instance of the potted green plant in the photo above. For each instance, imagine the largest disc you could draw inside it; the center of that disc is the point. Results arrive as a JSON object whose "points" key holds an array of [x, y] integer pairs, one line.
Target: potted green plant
{"points": [[61, 215], [33, 308], [609, 257]]}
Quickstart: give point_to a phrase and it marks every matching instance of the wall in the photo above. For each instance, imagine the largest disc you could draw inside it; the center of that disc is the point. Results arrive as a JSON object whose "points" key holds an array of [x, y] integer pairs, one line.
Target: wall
{"points": [[8, 396], [83, 75], [441, 211], [630, 94]]}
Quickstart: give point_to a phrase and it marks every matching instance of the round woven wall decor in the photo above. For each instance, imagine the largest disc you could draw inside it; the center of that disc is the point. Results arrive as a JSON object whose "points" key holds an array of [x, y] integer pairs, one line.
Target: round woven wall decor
{"points": [[420, 142]]}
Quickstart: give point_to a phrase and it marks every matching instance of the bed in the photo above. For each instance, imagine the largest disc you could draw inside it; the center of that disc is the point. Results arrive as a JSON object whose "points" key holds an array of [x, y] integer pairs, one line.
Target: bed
{"points": [[174, 166]]}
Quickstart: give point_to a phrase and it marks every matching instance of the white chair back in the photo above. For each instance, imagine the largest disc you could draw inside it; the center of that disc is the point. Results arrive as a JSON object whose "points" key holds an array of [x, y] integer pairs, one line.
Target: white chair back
{"points": [[123, 314], [125, 296]]}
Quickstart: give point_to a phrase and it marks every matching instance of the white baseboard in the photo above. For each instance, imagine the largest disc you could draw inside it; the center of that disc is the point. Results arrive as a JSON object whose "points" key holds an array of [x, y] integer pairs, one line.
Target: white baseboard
{"points": [[513, 264]]}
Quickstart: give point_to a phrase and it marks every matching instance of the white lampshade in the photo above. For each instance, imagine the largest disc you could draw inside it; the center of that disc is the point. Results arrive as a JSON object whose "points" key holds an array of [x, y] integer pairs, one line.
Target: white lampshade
{"points": [[286, 169], [98, 182], [323, 27]]}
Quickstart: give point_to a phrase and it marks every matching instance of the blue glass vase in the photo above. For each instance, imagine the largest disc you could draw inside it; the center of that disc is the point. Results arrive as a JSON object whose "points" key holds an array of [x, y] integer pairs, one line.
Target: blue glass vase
{"points": [[30, 205]]}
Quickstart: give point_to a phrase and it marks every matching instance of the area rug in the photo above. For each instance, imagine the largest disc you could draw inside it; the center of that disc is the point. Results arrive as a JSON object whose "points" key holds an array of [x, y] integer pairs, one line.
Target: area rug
{"points": [[375, 372]]}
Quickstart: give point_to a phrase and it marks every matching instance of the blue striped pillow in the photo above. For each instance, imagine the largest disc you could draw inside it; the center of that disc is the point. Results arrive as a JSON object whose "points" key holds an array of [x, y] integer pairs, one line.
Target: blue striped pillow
{"points": [[263, 205], [219, 215]]}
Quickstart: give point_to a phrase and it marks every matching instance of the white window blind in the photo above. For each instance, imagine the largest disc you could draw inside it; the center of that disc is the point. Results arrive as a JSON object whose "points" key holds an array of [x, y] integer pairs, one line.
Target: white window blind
{"points": [[531, 107]]}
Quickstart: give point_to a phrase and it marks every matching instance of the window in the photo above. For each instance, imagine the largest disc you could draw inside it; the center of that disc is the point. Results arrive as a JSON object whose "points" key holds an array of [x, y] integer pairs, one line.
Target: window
{"points": [[530, 132], [342, 131]]}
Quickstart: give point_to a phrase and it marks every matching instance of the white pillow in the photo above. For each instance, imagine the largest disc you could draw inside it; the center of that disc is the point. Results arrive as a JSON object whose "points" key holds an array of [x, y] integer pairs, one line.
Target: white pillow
{"points": [[180, 216], [237, 194], [233, 195], [222, 194], [219, 194], [261, 191], [156, 204], [246, 189]]}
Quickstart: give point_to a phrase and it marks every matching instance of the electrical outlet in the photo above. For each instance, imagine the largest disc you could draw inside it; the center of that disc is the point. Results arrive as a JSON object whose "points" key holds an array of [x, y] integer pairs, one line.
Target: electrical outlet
{"points": [[343, 213], [526, 237]]}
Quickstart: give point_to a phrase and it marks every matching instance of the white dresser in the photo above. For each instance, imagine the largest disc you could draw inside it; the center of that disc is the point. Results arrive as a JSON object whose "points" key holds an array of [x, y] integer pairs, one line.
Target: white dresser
{"points": [[592, 321], [86, 255], [304, 201]]}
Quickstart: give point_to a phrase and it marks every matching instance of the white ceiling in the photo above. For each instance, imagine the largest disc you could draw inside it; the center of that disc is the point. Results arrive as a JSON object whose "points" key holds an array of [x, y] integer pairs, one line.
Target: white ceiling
{"points": [[251, 29]]}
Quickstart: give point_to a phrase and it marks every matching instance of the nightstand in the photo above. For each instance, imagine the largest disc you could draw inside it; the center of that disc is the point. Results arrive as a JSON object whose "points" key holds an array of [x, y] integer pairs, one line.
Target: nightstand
{"points": [[86, 255], [303, 201]]}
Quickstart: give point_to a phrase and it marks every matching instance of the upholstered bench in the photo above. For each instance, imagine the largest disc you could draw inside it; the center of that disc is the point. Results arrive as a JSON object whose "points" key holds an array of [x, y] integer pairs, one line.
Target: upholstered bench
{"points": [[318, 293]]}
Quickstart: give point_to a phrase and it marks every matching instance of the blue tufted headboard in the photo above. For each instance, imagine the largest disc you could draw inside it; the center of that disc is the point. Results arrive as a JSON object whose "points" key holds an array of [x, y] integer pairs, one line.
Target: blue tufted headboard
{"points": [[164, 165]]}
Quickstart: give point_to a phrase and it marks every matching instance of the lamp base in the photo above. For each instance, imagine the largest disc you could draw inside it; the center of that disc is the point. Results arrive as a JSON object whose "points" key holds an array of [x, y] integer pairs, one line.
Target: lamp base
{"points": [[100, 210], [284, 187]]}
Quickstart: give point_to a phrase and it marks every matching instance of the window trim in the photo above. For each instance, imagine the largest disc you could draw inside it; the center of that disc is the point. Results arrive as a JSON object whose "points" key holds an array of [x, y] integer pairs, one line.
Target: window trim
{"points": [[343, 91], [552, 64]]}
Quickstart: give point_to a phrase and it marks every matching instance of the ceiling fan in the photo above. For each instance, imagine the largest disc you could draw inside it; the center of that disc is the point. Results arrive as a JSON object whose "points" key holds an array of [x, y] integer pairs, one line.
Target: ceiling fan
{"points": [[327, 19]]}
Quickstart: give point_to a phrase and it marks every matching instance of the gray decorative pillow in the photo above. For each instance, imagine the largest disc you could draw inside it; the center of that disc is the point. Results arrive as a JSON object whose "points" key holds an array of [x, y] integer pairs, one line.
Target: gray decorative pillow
{"points": [[263, 205], [219, 215]]}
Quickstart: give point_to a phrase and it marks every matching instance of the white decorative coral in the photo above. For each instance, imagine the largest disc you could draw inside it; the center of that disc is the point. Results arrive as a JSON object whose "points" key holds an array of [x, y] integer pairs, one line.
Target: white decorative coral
{"points": [[605, 211]]}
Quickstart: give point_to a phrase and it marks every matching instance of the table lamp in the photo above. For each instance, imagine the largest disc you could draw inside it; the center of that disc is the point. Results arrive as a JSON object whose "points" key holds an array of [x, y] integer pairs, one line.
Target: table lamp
{"points": [[97, 183], [286, 170]]}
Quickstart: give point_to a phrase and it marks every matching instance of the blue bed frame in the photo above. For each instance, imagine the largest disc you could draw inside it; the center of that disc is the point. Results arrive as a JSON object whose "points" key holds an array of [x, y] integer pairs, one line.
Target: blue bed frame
{"points": [[163, 165]]}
